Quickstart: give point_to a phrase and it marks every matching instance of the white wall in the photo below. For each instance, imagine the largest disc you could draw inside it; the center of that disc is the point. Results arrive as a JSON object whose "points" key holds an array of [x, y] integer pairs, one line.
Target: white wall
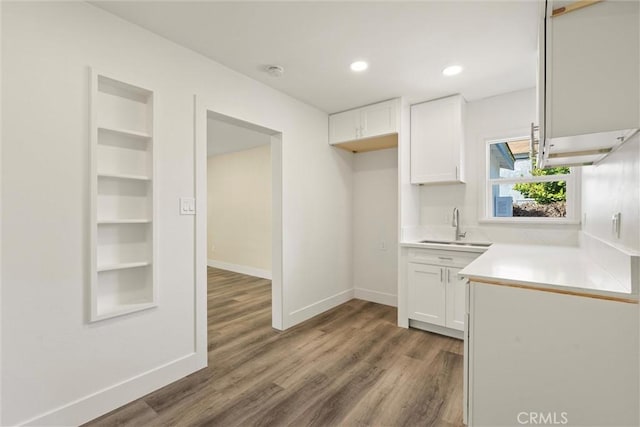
{"points": [[239, 210], [56, 368], [613, 186], [495, 117], [375, 226]]}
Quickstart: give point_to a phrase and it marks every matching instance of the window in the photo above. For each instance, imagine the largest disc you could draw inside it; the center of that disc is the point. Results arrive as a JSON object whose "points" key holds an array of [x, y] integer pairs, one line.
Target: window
{"points": [[517, 190]]}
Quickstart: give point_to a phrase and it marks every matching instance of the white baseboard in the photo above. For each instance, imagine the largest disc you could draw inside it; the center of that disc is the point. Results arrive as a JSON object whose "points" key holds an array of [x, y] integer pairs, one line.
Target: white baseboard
{"points": [[376, 296], [319, 307], [242, 269], [99, 403]]}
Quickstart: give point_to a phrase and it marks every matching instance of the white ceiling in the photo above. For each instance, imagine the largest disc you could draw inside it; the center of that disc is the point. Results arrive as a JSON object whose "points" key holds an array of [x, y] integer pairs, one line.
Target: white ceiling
{"points": [[407, 44], [226, 137]]}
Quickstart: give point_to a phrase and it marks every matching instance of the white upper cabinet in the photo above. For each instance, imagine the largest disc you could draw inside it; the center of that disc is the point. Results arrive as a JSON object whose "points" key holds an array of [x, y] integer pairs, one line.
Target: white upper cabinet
{"points": [[344, 126], [589, 84], [437, 141], [373, 127], [378, 119]]}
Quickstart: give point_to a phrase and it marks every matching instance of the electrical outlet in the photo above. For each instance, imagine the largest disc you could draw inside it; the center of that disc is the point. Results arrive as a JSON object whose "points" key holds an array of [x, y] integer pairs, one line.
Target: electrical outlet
{"points": [[383, 245], [615, 224]]}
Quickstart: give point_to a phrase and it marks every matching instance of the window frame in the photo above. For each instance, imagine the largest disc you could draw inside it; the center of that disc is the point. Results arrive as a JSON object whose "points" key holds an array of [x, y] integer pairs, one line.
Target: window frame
{"points": [[572, 180]]}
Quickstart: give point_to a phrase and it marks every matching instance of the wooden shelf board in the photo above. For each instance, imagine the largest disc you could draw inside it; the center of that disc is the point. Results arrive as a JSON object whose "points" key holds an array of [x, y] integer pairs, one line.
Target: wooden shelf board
{"points": [[370, 144], [126, 132], [573, 6], [122, 266], [121, 309], [124, 176], [124, 221]]}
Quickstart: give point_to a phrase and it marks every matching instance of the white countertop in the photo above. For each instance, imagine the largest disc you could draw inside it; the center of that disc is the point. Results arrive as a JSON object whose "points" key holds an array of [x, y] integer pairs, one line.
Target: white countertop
{"points": [[559, 267]]}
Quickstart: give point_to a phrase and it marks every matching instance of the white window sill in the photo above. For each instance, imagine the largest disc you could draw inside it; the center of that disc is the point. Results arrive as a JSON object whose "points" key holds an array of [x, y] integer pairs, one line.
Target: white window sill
{"points": [[529, 220]]}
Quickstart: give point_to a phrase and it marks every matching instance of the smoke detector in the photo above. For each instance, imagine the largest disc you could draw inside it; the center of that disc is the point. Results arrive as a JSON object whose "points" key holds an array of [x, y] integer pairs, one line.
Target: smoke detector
{"points": [[274, 70]]}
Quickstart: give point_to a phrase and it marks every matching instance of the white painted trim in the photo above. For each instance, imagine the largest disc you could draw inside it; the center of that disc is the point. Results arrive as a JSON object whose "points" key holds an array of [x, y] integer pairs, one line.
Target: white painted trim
{"points": [[200, 229], [319, 307], [1, 394], [376, 296], [277, 232], [96, 404], [242, 269], [514, 220]]}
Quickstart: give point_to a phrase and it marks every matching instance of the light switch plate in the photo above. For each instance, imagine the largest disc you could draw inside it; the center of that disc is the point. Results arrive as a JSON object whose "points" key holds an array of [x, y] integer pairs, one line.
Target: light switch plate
{"points": [[187, 206]]}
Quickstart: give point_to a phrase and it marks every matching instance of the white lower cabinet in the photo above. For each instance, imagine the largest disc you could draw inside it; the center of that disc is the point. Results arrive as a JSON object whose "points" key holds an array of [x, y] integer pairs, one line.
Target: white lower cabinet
{"points": [[436, 296], [427, 293], [532, 355], [455, 313]]}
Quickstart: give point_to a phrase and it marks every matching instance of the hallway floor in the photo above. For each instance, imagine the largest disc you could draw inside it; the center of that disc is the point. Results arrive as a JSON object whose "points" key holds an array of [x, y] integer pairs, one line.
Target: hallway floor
{"points": [[350, 366]]}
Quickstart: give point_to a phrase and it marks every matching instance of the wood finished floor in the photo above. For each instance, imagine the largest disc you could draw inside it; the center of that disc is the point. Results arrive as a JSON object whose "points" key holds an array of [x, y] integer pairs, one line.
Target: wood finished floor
{"points": [[350, 366]]}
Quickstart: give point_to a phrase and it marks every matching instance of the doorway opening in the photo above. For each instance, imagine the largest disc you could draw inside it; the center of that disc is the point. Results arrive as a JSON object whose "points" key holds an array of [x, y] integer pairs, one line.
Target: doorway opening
{"points": [[244, 220]]}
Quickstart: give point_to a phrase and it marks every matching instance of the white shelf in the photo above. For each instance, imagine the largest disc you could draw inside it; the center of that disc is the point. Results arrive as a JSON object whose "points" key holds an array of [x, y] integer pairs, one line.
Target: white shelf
{"points": [[107, 312], [125, 132], [123, 221], [123, 159], [122, 266], [124, 176]]}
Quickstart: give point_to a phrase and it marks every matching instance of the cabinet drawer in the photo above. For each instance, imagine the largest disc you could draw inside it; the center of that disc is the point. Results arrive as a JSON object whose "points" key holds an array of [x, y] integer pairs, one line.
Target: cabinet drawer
{"points": [[440, 257]]}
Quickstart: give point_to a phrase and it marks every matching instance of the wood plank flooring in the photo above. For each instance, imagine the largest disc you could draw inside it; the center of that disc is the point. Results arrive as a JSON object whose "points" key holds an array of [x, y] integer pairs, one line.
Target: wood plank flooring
{"points": [[350, 366]]}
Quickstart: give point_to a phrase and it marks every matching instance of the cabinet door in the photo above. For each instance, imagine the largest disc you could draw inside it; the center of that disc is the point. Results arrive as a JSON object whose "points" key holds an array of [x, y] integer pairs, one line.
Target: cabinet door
{"points": [[525, 340], [426, 293], [456, 311], [436, 141], [592, 69], [378, 119], [344, 126]]}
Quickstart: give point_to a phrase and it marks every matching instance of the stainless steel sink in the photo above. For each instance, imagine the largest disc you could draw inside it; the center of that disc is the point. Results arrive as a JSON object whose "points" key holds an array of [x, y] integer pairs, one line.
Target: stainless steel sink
{"points": [[443, 242]]}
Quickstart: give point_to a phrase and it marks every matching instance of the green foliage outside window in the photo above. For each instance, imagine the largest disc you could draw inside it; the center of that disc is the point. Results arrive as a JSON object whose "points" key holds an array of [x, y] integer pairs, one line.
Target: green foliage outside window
{"points": [[545, 192]]}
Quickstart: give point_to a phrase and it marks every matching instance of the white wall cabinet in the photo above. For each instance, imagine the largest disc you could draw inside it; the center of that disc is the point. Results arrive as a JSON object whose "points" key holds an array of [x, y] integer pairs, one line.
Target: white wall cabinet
{"points": [[373, 127], [378, 119], [122, 198], [588, 85], [435, 294], [437, 141], [344, 126]]}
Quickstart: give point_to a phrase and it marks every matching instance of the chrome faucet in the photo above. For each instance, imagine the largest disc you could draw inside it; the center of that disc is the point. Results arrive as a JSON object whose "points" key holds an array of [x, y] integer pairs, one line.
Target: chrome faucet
{"points": [[455, 222]]}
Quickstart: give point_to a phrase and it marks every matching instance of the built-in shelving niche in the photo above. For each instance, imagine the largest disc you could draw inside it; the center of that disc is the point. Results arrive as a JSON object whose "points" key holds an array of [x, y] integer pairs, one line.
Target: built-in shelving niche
{"points": [[123, 238]]}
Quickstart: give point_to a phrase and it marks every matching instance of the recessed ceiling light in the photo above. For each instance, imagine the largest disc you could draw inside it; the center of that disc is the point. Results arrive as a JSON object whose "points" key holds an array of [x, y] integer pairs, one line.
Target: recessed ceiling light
{"points": [[359, 66], [452, 70]]}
